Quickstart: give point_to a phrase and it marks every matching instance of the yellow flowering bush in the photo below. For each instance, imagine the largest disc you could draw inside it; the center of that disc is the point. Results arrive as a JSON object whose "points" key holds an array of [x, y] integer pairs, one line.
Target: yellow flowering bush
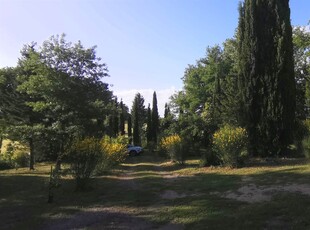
{"points": [[229, 143], [170, 141], [83, 156], [173, 146], [90, 156], [113, 152]]}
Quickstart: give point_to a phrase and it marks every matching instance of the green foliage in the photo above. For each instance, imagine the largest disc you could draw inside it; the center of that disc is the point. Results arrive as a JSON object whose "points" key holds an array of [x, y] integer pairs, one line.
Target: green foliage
{"points": [[306, 146], [210, 158], [154, 120], [267, 83], [303, 137], [122, 119], [301, 41], [129, 120], [138, 116], [58, 93], [230, 143]]}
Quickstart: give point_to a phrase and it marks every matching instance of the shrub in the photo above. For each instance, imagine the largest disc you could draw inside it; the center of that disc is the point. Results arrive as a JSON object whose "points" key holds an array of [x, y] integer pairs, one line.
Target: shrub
{"points": [[209, 158], [83, 156], [15, 156], [174, 147], [113, 153], [229, 144], [306, 147], [20, 159], [5, 164]]}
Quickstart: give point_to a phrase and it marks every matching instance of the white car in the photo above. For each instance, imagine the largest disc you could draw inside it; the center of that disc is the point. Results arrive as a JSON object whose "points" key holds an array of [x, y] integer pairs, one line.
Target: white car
{"points": [[134, 150]]}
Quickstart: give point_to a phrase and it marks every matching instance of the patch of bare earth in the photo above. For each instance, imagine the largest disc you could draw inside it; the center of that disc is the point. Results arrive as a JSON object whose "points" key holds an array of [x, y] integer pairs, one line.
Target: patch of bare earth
{"points": [[252, 193]]}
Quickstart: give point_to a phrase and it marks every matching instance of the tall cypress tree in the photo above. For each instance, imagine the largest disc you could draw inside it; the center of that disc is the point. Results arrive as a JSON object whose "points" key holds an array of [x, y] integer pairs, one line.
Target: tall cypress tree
{"points": [[129, 127], [155, 119], [115, 119], [149, 134], [267, 74], [167, 111], [138, 116], [122, 119]]}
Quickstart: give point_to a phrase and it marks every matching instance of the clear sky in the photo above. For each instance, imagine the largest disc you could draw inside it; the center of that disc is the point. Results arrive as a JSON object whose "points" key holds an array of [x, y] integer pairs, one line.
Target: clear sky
{"points": [[147, 44]]}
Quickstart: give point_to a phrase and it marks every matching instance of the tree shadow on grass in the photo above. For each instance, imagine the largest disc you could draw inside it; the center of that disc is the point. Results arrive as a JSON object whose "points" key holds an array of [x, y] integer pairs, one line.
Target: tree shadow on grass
{"points": [[115, 203]]}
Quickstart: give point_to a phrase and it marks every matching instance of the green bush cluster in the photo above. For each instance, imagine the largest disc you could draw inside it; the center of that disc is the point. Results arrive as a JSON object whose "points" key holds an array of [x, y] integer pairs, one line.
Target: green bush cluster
{"points": [[305, 143], [229, 144]]}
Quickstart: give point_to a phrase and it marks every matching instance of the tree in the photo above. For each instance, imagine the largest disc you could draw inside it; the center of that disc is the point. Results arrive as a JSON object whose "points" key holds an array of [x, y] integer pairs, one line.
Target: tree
{"points": [[66, 81], [122, 119], [149, 127], [138, 117], [267, 74], [167, 122], [18, 120], [200, 103], [115, 115], [167, 110], [154, 119], [301, 42], [129, 127]]}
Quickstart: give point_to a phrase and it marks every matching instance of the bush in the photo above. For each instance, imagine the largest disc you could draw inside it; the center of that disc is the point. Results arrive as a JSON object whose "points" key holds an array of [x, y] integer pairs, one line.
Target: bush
{"points": [[229, 144], [4, 164], [20, 159], [306, 147], [83, 156], [174, 147], [113, 153], [209, 158], [15, 156]]}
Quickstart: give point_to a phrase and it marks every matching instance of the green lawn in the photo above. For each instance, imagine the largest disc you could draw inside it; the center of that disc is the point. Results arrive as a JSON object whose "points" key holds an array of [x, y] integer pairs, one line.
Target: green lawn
{"points": [[147, 192]]}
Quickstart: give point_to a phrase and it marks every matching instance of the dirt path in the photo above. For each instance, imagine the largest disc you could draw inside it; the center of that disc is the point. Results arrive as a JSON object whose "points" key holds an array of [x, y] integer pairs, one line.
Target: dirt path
{"points": [[117, 217], [139, 217]]}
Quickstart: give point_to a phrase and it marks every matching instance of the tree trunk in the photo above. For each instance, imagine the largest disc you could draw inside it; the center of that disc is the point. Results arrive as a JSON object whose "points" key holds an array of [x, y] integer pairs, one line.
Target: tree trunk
{"points": [[31, 161]]}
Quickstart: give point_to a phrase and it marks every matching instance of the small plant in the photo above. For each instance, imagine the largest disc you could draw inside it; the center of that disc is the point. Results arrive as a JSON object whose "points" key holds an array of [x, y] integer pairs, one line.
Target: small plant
{"points": [[174, 147], [209, 158], [229, 144], [306, 147], [20, 159], [83, 156], [54, 182]]}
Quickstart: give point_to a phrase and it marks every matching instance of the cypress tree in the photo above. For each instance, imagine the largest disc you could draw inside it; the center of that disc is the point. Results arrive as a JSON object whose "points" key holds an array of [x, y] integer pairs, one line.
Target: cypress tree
{"points": [[267, 74], [129, 127], [149, 134], [138, 116], [155, 119], [122, 119], [167, 111], [115, 119]]}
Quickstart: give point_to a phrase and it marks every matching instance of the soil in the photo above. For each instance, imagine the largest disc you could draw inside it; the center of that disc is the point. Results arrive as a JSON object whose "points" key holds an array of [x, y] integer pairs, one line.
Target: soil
{"points": [[252, 193]]}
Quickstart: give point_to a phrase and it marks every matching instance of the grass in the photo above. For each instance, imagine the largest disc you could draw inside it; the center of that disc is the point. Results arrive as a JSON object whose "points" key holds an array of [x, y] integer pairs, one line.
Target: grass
{"points": [[147, 192]]}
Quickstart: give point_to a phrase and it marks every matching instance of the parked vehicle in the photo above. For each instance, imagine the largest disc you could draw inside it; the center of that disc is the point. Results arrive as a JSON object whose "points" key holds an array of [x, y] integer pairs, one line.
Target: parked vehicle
{"points": [[134, 150]]}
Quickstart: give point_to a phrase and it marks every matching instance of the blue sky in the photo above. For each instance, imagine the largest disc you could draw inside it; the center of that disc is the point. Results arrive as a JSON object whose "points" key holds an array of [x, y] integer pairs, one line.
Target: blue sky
{"points": [[147, 44]]}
